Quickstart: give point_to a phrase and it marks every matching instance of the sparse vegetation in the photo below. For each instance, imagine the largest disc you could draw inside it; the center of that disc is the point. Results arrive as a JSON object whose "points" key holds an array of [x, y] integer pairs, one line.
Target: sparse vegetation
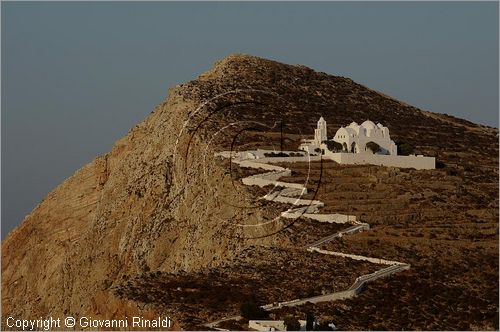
{"points": [[443, 223], [234, 325], [334, 146], [247, 279], [251, 310], [440, 164], [276, 154], [405, 149], [417, 217], [291, 323], [439, 295], [310, 321]]}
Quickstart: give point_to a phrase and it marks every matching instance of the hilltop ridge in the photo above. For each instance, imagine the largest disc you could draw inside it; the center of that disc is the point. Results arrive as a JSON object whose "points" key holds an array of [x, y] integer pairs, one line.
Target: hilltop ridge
{"points": [[159, 202]]}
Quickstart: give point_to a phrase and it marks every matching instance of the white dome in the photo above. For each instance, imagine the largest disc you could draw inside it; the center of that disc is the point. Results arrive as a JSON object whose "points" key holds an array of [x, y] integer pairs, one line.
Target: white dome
{"points": [[353, 124], [368, 125], [350, 131]]}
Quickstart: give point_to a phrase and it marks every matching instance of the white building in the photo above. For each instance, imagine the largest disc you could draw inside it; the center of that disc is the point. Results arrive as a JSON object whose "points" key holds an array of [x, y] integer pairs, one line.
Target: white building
{"points": [[272, 325], [320, 135], [354, 138], [356, 141]]}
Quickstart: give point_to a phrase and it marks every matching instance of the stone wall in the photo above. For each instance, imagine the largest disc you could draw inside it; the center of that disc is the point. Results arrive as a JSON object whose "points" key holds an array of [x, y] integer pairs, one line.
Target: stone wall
{"points": [[356, 257], [417, 162]]}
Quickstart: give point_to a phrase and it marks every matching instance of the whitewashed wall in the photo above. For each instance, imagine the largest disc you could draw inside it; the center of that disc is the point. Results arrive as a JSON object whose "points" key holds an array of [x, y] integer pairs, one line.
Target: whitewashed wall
{"points": [[417, 162]]}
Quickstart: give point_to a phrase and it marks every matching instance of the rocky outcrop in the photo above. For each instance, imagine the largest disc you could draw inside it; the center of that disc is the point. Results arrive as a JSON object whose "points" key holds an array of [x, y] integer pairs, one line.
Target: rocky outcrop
{"points": [[145, 205], [158, 201]]}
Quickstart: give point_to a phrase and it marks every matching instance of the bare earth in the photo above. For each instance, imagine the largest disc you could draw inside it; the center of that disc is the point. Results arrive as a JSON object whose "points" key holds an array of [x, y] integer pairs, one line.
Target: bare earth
{"points": [[152, 227]]}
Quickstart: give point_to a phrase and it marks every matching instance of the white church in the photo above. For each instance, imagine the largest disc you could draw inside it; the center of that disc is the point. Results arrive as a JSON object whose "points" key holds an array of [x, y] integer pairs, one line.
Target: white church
{"points": [[362, 144], [354, 138]]}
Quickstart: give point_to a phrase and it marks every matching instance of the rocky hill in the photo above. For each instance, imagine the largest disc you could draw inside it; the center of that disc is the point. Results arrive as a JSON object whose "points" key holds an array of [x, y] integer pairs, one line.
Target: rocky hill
{"points": [[159, 205]]}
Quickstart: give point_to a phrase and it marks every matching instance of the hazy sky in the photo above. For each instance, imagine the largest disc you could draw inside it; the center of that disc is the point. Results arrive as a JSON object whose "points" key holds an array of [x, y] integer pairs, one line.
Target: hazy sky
{"points": [[77, 76]]}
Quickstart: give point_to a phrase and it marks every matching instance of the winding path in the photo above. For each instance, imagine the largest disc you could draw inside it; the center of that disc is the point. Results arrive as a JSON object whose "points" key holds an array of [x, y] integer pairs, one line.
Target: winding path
{"points": [[291, 194]]}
